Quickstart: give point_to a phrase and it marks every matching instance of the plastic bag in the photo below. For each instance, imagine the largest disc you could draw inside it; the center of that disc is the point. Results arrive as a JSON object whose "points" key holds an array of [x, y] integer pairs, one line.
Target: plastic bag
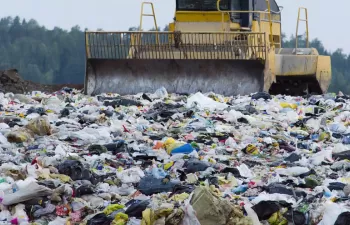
{"points": [[161, 92], [292, 171], [251, 213], [20, 135], [33, 190], [230, 142], [134, 221], [20, 215], [40, 126], [204, 102], [74, 169], [132, 175], [343, 219], [331, 213], [150, 185], [58, 221], [190, 215], [124, 190], [321, 156], [245, 171]]}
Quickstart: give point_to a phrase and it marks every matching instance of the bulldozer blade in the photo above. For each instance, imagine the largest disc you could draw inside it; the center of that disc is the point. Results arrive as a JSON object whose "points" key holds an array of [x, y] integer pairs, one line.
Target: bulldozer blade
{"points": [[131, 76]]}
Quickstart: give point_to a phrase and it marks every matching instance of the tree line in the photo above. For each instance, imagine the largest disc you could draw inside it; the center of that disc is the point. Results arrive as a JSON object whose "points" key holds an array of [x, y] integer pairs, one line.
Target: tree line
{"points": [[57, 56]]}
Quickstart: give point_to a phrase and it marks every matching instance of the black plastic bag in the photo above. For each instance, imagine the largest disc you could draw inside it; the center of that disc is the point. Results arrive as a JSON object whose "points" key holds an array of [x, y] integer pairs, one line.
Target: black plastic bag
{"points": [[293, 158], [122, 102], [234, 171], [343, 219], [179, 189], [74, 169], [64, 112], [144, 96], [118, 147], [262, 95], [107, 113], [265, 209], [150, 185], [97, 149], [342, 155], [136, 208], [281, 189], [40, 111], [84, 190], [336, 186], [295, 217], [196, 165], [99, 219]]}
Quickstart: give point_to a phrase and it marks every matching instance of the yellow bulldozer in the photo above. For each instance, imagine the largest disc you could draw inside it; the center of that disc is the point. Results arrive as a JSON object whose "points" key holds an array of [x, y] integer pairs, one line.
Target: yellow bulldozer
{"points": [[230, 47]]}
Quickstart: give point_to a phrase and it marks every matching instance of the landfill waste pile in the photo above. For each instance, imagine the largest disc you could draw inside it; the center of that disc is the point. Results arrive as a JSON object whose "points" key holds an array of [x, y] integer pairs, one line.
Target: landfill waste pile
{"points": [[170, 159], [11, 81]]}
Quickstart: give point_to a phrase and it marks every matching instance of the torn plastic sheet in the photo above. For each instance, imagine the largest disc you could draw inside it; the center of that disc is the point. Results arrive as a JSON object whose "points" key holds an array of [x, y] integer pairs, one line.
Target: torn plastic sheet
{"points": [[203, 102]]}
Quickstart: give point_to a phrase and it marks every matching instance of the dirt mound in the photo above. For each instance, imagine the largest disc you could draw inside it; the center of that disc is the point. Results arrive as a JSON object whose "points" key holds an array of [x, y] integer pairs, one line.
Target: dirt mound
{"points": [[11, 81]]}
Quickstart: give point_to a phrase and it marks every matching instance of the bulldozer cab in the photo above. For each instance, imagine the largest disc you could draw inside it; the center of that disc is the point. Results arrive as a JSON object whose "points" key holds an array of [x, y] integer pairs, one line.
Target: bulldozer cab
{"points": [[230, 47]]}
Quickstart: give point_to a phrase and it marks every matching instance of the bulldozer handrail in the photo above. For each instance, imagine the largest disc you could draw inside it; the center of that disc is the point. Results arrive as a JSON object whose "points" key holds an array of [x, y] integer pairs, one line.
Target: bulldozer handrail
{"points": [[172, 32], [191, 45]]}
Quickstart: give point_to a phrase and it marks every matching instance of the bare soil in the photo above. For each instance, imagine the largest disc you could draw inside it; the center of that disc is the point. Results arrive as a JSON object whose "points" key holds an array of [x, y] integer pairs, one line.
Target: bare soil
{"points": [[11, 81]]}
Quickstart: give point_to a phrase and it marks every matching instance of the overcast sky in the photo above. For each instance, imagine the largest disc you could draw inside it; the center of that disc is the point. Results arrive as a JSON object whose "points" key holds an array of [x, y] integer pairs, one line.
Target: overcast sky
{"points": [[327, 19]]}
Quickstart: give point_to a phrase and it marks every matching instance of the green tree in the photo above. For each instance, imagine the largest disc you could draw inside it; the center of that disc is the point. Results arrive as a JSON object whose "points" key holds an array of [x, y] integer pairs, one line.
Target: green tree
{"points": [[340, 62], [58, 56]]}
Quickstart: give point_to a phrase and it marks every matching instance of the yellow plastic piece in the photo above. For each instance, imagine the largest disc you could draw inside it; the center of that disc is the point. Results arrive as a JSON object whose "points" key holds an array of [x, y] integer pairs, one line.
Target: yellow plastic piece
{"points": [[288, 105], [168, 165], [147, 217], [120, 219], [111, 208], [180, 197], [277, 219], [62, 177], [252, 149], [170, 144]]}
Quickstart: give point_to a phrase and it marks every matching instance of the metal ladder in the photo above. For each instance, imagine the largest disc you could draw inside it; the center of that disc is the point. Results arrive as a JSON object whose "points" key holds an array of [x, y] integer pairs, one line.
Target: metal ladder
{"points": [[306, 20], [143, 14]]}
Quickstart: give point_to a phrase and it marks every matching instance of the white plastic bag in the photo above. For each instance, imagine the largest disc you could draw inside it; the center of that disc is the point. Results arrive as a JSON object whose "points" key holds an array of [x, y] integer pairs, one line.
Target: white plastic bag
{"points": [[21, 215], [58, 221], [230, 142], [161, 92], [190, 217], [292, 171], [123, 190], [60, 150], [245, 171], [204, 102], [134, 221], [251, 213], [263, 196], [232, 116], [32, 190], [331, 213], [5, 215], [339, 147], [319, 157], [132, 175]]}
